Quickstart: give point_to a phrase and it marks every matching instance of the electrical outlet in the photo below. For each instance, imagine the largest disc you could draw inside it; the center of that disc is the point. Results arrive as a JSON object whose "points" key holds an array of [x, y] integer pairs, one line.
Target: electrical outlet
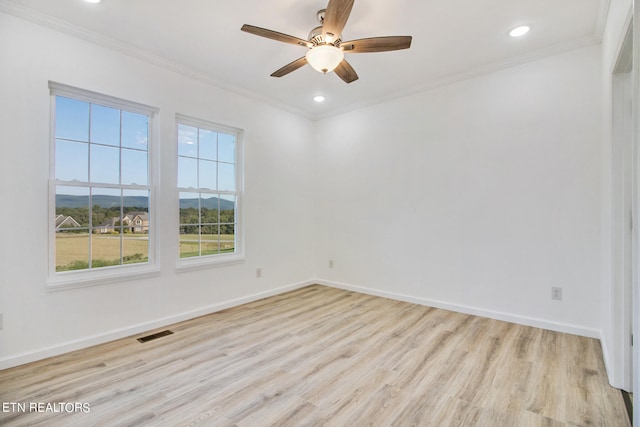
{"points": [[556, 293], [258, 273], [330, 263]]}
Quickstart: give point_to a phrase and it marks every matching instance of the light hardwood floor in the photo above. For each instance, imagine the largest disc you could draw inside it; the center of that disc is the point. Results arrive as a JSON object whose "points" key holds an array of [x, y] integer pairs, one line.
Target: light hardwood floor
{"points": [[319, 356]]}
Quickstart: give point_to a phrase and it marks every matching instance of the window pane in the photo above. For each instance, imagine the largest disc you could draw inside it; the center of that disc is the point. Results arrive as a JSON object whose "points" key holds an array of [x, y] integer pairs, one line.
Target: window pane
{"points": [[189, 225], [105, 249], [227, 209], [72, 207], [134, 167], [72, 234], [135, 248], [187, 172], [72, 249], [210, 240], [207, 174], [189, 246], [187, 141], [72, 161], [106, 210], [226, 177], [105, 125], [227, 238], [189, 204], [136, 213], [209, 209], [72, 119], [105, 164], [208, 144], [135, 130], [107, 222], [226, 148], [209, 212]]}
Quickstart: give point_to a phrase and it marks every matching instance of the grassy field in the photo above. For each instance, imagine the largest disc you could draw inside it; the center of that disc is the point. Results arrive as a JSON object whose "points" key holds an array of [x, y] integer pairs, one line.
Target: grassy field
{"points": [[209, 244], [72, 250]]}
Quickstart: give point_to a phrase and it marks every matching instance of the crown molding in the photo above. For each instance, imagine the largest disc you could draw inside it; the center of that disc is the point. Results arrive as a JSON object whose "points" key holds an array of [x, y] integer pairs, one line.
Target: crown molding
{"points": [[582, 42], [28, 14]]}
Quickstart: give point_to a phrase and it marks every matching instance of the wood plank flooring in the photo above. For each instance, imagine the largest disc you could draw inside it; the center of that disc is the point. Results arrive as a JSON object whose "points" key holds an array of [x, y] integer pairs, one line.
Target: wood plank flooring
{"points": [[319, 356]]}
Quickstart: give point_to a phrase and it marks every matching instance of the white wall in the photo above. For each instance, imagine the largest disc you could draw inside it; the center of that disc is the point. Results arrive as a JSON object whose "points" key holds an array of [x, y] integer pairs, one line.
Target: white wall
{"points": [[277, 199], [478, 196]]}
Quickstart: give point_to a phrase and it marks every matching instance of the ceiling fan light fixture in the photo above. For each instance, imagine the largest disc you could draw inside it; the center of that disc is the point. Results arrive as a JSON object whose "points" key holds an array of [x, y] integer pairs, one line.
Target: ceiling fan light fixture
{"points": [[324, 58]]}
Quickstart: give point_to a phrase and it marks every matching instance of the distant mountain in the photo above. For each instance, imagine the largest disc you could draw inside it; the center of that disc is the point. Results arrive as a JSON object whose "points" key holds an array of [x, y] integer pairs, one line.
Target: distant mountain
{"points": [[69, 201], [212, 203]]}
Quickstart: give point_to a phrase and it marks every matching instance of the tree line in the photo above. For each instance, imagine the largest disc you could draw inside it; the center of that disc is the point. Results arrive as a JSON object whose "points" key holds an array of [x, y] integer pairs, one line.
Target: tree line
{"points": [[188, 216]]}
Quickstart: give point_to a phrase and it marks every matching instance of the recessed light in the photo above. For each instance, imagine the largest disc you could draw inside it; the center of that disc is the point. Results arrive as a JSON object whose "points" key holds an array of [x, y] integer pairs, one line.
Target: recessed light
{"points": [[519, 31], [92, 1], [319, 98]]}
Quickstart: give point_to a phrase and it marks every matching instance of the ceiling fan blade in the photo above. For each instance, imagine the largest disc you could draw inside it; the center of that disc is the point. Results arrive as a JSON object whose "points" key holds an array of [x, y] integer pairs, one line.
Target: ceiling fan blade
{"points": [[274, 35], [290, 67], [346, 72], [377, 44], [335, 18]]}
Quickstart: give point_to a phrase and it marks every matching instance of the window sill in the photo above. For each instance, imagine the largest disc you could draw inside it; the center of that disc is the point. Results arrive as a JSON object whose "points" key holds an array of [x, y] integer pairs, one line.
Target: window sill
{"points": [[81, 279], [188, 264]]}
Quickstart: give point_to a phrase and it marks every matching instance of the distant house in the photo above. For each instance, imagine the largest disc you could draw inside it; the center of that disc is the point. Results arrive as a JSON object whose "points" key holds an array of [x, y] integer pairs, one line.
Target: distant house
{"points": [[138, 221], [65, 222], [110, 225], [134, 222]]}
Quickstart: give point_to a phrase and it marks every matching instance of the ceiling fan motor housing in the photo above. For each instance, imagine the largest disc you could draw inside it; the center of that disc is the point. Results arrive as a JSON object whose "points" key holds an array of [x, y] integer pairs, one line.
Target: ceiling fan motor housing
{"points": [[316, 37]]}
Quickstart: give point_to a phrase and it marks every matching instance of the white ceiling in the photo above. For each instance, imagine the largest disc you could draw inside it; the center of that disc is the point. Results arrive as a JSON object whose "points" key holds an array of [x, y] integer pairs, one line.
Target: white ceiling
{"points": [[452, 39]]}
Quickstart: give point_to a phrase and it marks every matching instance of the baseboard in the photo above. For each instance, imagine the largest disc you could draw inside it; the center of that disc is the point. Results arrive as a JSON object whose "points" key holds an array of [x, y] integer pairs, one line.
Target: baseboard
{"points": [[476, 311], [32, 356], [23, 358]]}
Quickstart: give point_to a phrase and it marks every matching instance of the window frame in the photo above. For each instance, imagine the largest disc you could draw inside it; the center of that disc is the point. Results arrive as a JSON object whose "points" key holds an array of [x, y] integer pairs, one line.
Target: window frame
{"points": [[59, 280], [220, 259]]}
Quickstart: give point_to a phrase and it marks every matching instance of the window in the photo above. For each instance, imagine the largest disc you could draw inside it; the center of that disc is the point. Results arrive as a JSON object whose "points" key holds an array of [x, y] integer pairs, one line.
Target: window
{"points": [[100, 184], [209, 182]]}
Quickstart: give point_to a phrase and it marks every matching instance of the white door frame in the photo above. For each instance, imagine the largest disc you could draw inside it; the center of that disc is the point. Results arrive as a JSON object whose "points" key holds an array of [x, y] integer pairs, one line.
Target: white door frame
{"points": [[623, 206], [635, 82]]}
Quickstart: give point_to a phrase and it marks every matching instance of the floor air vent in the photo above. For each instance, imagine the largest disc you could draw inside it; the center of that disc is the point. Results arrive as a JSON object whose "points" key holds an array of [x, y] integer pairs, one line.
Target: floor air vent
{"points": [[155, 336]]}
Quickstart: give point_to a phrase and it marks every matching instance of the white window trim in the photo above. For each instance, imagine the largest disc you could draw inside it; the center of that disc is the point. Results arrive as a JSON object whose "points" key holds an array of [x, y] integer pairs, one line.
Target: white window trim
{"points": [[82, 278], [215, 260]]}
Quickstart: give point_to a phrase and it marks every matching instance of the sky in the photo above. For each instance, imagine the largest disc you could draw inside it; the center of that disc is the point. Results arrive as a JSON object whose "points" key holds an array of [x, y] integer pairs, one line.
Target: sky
{"points": [[92, 140]]}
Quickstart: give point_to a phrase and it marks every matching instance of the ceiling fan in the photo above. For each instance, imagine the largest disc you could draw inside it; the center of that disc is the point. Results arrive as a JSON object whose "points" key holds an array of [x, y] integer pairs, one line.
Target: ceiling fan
{"points": [[326, 48]]}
